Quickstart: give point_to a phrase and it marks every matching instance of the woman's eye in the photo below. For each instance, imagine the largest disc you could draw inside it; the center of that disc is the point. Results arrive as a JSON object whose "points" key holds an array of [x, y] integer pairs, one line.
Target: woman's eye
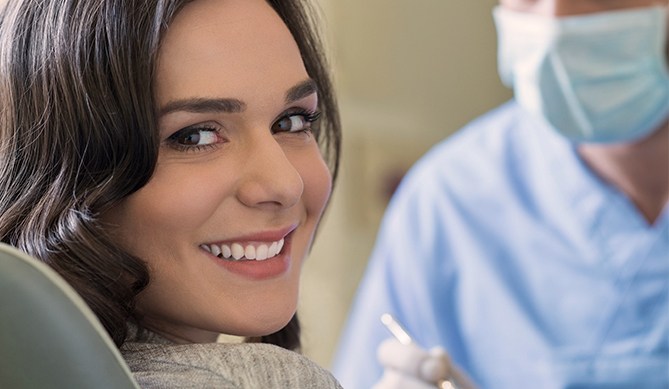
{"points": [[295, 122], [194, 137]]}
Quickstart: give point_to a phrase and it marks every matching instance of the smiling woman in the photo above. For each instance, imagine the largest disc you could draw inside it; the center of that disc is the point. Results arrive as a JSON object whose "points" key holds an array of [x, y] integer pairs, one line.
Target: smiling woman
{"points": [[174, 160]]}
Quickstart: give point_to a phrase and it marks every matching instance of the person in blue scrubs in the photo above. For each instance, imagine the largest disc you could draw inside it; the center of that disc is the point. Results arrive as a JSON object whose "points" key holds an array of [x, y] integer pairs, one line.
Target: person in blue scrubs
{"points": [[533, 245]]}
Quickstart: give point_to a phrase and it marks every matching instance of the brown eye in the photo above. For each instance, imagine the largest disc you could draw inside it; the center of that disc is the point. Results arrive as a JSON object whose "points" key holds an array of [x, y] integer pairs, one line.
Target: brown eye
{"points": [[296, 122], [291, 123], [194, 137]]}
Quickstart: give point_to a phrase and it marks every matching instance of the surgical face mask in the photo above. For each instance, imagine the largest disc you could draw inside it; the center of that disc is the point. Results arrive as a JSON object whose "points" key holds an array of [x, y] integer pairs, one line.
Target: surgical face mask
{"points": [[598, 77]]}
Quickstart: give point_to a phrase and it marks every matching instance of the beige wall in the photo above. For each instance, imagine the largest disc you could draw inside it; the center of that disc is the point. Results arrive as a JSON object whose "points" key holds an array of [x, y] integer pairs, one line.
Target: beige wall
{"points": [[408, 74]]}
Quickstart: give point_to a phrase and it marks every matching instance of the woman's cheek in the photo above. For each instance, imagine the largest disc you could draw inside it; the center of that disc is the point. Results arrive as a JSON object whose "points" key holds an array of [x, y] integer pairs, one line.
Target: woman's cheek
{"points": [[317, 183]]}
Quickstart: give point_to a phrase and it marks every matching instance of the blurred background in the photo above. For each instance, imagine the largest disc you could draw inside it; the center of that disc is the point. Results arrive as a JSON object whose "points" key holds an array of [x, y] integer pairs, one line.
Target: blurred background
{"points": [[408, 74]]}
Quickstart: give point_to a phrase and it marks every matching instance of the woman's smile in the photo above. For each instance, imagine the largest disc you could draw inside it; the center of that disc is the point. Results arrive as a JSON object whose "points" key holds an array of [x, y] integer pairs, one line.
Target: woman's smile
{"points": [[256, 256], [240, 251]]}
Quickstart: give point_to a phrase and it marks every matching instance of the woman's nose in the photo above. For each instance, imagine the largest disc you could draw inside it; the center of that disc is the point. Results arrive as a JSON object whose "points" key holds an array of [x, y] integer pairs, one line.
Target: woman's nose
{"points": [[268, 178]]}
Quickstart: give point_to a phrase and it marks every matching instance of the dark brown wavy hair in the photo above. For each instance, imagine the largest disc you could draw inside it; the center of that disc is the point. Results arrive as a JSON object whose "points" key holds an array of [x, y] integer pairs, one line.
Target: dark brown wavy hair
{"points": [[78, 134]]}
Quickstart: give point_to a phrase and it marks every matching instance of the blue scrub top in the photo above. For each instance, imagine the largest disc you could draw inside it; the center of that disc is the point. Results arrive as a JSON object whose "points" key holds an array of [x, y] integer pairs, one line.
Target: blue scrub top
{"points": [[503, 247]]}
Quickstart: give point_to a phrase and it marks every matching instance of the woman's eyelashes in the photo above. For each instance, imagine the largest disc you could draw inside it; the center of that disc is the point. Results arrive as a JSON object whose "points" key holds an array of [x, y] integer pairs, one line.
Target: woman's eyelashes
{"points": [[296, 121], [194, 138]]}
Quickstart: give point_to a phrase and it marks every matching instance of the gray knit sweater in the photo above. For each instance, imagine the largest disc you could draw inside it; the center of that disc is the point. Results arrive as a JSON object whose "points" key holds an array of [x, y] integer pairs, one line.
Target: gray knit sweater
{"points": [[159, 363]]}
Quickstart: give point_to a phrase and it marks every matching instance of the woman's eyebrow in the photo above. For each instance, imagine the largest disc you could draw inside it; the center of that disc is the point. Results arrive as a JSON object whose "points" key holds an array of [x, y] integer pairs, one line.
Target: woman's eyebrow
{"points": [[229, 105], [203, 105], [301, 90]]}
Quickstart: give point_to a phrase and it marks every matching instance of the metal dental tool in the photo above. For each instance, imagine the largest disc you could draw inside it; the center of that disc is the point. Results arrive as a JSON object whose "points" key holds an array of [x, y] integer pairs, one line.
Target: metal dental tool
{"points": [[404, 338]]}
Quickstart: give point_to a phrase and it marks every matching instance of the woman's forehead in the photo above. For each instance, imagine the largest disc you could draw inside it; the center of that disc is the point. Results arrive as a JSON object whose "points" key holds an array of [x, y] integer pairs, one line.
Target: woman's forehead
{"points": [[234, 47]]}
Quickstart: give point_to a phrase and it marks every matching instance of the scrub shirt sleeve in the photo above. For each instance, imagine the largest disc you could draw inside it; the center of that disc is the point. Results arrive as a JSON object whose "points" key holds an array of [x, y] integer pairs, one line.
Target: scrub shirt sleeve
{"points": [[407, 276]]}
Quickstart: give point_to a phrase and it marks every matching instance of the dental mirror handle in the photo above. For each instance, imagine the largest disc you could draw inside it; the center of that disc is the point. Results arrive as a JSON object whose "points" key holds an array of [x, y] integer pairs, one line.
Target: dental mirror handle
{"points": [[404, 338]]}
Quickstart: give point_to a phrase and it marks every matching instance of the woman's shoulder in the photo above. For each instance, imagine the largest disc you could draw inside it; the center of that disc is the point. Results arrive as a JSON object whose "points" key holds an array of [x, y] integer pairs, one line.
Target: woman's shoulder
{"points": [[223, 365]]}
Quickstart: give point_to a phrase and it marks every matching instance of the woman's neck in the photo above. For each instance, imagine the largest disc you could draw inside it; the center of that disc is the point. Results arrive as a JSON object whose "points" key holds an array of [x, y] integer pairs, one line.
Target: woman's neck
{"points": [[640, 170]]}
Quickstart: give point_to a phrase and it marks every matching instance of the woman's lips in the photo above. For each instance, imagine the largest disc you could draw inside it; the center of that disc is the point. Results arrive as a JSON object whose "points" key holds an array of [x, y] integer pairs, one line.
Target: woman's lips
{"points": [[239, 251], [254, 258]]}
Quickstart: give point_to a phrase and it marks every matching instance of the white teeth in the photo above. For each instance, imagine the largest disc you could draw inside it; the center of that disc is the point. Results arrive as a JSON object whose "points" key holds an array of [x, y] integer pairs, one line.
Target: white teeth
{"points": [[261, 252], [250, 252], [272, 251], [215, 250], [225, 250], [236, 251]]}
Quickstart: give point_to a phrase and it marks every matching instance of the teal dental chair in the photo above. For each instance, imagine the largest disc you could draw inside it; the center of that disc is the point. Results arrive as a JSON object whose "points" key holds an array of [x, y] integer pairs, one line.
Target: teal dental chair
{"points": [[49, 338]]}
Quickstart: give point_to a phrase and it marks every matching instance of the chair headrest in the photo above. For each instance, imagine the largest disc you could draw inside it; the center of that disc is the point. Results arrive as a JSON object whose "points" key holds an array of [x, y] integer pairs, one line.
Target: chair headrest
{"points": [[49, 337]]}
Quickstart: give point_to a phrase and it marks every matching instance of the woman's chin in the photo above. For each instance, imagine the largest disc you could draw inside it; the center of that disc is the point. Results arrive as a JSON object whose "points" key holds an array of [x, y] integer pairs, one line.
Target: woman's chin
{"points": [[262, 326]]}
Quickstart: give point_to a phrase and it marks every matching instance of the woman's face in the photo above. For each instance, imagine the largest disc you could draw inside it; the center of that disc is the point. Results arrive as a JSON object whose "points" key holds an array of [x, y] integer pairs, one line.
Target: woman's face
{"points": [[229, 214]]}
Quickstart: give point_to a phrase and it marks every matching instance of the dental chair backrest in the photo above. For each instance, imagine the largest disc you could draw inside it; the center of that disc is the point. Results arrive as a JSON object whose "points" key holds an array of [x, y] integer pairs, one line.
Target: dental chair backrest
{"points": [[49, 338]]}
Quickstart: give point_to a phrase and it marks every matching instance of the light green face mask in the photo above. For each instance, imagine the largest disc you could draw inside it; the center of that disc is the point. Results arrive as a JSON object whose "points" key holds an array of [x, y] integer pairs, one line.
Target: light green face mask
{"points": [[599, 77]]}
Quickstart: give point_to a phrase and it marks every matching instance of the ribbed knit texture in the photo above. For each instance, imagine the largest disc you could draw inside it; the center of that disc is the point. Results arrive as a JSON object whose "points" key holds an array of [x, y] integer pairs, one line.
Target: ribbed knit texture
{"points": [[158, 363]]}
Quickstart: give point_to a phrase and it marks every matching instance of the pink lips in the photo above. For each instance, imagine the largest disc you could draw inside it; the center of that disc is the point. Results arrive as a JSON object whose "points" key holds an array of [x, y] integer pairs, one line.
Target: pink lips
{"points": [[265, 269]]}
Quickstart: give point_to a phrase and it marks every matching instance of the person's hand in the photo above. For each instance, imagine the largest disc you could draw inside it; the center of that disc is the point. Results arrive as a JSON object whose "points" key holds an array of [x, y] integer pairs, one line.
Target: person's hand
{"points": [[407, 366]]}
